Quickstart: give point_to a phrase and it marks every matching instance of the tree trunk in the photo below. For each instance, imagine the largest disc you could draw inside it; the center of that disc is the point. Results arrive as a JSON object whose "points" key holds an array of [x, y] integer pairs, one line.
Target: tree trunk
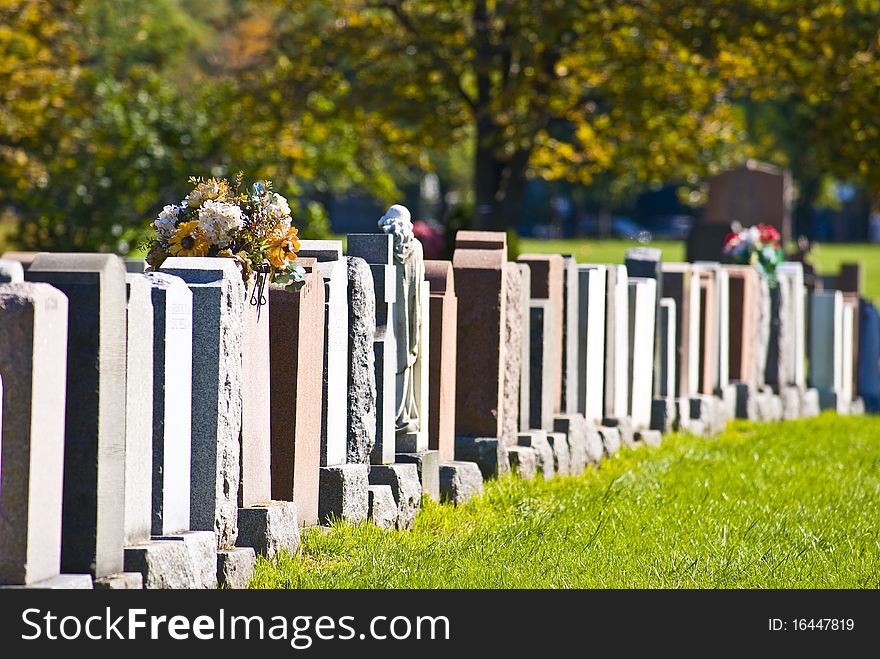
{"points": [[499, 184], [803, 212], [604, 222]]}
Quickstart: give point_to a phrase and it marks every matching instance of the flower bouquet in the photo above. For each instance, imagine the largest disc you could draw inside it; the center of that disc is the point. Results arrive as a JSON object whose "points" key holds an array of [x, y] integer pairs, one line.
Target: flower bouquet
{"points": [[758, 246], [253, 228]]}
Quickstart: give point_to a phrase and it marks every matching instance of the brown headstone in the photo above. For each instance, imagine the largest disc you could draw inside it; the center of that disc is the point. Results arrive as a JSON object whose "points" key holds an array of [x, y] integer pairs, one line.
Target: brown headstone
{"points": [[755, 193], [744, 317], [513, 338], [547, 284], [481, 240], [481, 288], [443, 327], [850, 278], [296, 345], [708, 348]]}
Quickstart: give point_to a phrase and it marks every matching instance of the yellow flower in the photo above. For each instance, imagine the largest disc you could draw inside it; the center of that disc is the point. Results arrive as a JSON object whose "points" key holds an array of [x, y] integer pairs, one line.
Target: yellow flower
{"points": [[283, 246], [187, 240], [213, 188]]}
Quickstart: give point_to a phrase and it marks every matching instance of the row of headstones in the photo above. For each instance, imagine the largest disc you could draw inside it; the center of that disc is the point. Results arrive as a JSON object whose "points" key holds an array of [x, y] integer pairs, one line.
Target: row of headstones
{"points": [[542, 365]]}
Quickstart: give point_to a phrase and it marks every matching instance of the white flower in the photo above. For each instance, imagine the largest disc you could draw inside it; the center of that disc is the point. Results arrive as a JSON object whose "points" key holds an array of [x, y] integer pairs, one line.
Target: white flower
{"points": [[217, 219], [754, 235], [278, 204], [165, 223]]}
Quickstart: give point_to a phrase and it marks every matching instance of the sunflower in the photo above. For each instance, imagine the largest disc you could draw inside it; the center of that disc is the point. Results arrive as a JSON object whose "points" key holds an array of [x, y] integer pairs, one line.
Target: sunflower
{"points": [[283, 246], [187, 240]]}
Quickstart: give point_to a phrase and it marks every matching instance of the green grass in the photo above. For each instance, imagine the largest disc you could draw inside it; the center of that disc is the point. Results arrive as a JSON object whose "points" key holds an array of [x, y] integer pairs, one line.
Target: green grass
{"points": [[789, 505], [826, 256]]}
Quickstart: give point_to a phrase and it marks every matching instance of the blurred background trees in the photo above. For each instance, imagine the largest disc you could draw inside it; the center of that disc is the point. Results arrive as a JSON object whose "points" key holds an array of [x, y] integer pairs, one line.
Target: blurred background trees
{"points": [[477, 113]]}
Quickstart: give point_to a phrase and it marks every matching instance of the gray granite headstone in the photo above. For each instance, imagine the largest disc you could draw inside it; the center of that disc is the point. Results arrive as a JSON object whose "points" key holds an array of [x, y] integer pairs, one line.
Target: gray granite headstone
{"points": [[33, 363], [172, 402], [334, 418], [138, 411], [361, 367], [513, 364], [540, 364], [93, 526], [591, 341], [646, 262], [642, 311], [218, 297], [377, 250]]}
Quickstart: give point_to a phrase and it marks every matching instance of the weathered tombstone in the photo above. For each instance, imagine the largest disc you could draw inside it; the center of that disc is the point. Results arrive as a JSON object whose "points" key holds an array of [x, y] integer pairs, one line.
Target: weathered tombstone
{"points": [[33, 363], [334, 416], [11, 272], [94, 443], [378, 251], [570, 316], [256, 473], [591, 341], [548, 283], [642, 311], [296, 343], [444, 329], [139, 412], [826, 347], [361, 363], [526, 350], [513, 338], [478, 263], [172, 359], [218, 318], [542, 364]]}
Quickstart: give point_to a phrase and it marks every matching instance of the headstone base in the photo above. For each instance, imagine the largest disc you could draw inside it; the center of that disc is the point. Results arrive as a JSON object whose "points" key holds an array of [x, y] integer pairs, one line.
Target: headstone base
{"points": [[269, 528], [624, 427], [342, 493], [857, 407], [412, 442], [727, 394], [489, 453], [662, 414], [460, 481], [769, 405], [705, 415], [810, 403], [163, 564], [537, 441], [428, 465], [746, 404], [120, 581], [202, 548], [405, 487], [610, 440], [561, 453], [235, 567], [382, 507], [791, 402], [523, 461], [61, 582], [649, 437], [584, 441]]}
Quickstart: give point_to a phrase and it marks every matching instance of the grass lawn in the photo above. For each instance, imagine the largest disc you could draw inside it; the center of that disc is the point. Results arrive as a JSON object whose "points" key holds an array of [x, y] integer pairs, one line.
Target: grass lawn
{"points": [[826, 256], [788, 505]]}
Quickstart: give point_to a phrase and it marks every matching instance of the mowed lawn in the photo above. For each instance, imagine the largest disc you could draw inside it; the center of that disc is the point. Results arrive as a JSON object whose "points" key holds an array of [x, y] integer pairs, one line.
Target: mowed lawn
{"points": [[786, 505], [826, 256]]}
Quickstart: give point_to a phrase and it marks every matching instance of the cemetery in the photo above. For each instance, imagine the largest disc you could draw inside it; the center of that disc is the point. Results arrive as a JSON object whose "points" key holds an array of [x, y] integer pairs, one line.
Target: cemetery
{"points": [[166, 422]]}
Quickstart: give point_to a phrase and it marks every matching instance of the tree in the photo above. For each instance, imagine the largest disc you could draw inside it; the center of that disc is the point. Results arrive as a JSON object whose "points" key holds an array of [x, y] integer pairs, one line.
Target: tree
{"points": [[548, 88]]}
